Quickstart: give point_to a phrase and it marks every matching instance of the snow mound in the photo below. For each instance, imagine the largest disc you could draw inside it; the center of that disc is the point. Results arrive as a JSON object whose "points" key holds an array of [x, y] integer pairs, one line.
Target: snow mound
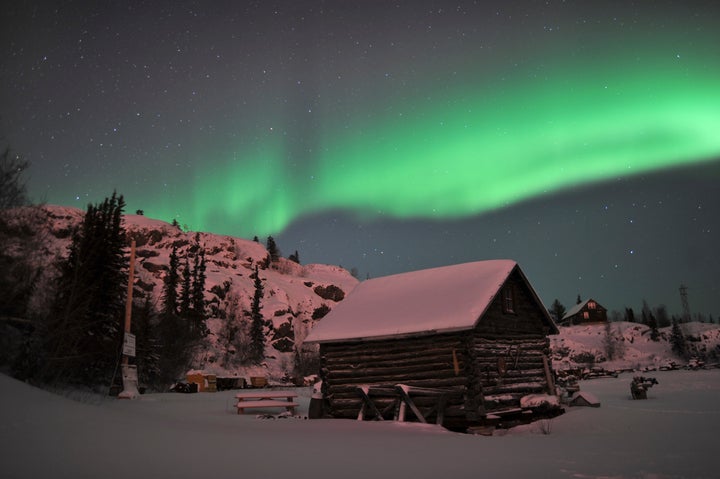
{"points": [[539, 401]]}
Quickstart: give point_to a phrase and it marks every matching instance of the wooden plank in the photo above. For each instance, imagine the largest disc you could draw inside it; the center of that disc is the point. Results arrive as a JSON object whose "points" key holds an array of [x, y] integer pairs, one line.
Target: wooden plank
{"points": [[449, 382], [431, 391], [390, 369], [441, 410], [406, 356], [388, 346], [430, 376], [265, 395], [268, 403], [548, 376]]}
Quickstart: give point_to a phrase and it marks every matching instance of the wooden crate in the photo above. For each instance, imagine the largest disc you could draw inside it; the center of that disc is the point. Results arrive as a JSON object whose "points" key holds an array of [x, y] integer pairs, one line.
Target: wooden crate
{"points": [[210, 383], [206, 383], [258, 381], [197, 378]]}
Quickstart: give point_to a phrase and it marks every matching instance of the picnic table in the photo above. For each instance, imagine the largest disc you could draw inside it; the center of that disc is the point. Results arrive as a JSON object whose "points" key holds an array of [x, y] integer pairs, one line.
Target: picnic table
{"points": [[266, 399]]}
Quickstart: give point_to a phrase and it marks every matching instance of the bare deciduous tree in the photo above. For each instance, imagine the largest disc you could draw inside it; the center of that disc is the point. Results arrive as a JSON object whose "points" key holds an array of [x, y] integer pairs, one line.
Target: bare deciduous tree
{"points": [[12, 184]]}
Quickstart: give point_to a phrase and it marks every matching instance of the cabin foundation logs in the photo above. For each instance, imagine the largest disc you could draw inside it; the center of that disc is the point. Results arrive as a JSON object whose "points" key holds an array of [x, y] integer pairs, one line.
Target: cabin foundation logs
{"points": [[481, 373]]}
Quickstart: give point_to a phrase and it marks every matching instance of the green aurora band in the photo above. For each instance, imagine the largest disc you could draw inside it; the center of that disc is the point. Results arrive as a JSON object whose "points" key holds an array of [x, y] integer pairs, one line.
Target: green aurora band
{"points": [[479, 147]]}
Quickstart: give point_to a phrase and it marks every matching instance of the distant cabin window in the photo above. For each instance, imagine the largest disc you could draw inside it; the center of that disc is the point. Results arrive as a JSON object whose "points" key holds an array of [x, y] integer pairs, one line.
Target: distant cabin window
{"points": [[586, 315], [591, 305], [508, 300]]}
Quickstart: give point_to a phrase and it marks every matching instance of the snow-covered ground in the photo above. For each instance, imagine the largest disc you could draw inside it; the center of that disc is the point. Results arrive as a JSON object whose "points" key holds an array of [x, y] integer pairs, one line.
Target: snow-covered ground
{"points": [[672, 434]]}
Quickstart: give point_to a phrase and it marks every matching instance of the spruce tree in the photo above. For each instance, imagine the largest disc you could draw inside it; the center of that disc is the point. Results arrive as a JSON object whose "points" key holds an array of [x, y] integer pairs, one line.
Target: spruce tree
{"points": [[82, 337], [198, 296], [186, 290], [652, 323], [173, 342], [295, 257], [273, 250], [147, 350], [170, 284], [677, 340], [557, 310], [648, 319], [257, 325]]}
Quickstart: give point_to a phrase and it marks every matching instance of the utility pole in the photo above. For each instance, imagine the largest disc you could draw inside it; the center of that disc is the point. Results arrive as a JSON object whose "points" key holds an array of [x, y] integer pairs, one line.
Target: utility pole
{"points": [[129, 371], [129, 298], [685, 304]]}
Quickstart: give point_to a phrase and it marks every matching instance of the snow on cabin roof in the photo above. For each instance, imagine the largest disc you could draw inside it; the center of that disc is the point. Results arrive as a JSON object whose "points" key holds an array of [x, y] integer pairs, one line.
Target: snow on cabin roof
{"points": [[575, 309], [444, 299]]}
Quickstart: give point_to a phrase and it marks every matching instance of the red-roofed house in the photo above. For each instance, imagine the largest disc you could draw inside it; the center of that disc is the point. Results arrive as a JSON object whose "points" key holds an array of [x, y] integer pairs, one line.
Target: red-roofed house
{"points": [[588, 311]]}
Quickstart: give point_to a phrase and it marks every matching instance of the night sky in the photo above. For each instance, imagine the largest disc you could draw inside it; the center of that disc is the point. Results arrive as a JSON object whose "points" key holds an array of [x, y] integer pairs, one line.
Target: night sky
{"points": [[581, 139]]}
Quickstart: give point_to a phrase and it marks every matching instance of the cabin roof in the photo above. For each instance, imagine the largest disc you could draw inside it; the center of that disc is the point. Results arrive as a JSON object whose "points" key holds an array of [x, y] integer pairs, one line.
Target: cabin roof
{"points": [[444, 299]]}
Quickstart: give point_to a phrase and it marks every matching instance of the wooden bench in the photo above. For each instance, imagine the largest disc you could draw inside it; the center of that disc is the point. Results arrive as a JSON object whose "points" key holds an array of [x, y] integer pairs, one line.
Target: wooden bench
{"points": [[265, 399]]}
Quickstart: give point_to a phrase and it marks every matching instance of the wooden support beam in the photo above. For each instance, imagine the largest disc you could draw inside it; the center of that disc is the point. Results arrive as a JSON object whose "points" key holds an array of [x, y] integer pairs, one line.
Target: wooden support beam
{"points": [[367, 404], [406, 398]]}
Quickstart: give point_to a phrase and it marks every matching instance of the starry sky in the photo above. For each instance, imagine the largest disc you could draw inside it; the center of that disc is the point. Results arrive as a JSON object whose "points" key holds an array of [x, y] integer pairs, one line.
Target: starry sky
{"points": [[581, 139]]}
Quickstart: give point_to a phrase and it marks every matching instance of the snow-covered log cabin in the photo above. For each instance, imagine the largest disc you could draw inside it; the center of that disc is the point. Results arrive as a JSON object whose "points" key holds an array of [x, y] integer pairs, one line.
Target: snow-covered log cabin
{"points": [[474, 333]]}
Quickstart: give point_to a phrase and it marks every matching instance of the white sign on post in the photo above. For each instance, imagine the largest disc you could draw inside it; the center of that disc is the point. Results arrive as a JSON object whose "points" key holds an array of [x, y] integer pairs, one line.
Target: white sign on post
{"points": [[129, 345]]}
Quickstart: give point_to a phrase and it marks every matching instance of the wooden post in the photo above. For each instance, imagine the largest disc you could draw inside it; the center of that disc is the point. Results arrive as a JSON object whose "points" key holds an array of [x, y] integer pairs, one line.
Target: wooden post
{"points": [[129, 299], [129, 371], [548, 375]]}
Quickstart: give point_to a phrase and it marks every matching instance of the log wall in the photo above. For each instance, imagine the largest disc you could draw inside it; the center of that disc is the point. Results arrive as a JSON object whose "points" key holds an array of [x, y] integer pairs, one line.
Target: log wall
{"points": [[509, 349], [426, 362]]}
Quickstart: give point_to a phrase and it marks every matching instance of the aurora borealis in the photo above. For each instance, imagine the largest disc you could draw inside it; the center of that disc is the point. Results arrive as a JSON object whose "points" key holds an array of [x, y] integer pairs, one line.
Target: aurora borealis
{"points": [[348, 129], [451, 158]]}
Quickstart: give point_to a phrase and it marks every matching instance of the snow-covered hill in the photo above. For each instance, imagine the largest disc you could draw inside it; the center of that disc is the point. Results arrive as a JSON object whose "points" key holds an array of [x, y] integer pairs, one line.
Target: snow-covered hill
{"points": [[295, 295], [623, 345]]}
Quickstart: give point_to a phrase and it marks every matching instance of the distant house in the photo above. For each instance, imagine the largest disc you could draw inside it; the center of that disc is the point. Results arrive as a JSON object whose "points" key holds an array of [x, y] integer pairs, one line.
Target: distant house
{"points": [[463, 342], [588, 311]]}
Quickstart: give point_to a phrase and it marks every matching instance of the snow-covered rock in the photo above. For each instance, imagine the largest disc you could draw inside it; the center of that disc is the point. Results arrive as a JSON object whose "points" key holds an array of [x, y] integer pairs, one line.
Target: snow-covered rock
{"points": [[584, 346]]}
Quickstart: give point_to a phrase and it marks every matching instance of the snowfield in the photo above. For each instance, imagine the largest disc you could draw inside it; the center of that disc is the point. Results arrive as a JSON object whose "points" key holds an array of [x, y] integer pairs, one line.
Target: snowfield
{"points": [[672, 434]]}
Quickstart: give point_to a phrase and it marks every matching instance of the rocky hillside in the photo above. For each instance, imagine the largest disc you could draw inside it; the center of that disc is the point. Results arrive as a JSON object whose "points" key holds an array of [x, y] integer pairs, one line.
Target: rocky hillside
{"points": [[295, 295], [623, 345]]}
